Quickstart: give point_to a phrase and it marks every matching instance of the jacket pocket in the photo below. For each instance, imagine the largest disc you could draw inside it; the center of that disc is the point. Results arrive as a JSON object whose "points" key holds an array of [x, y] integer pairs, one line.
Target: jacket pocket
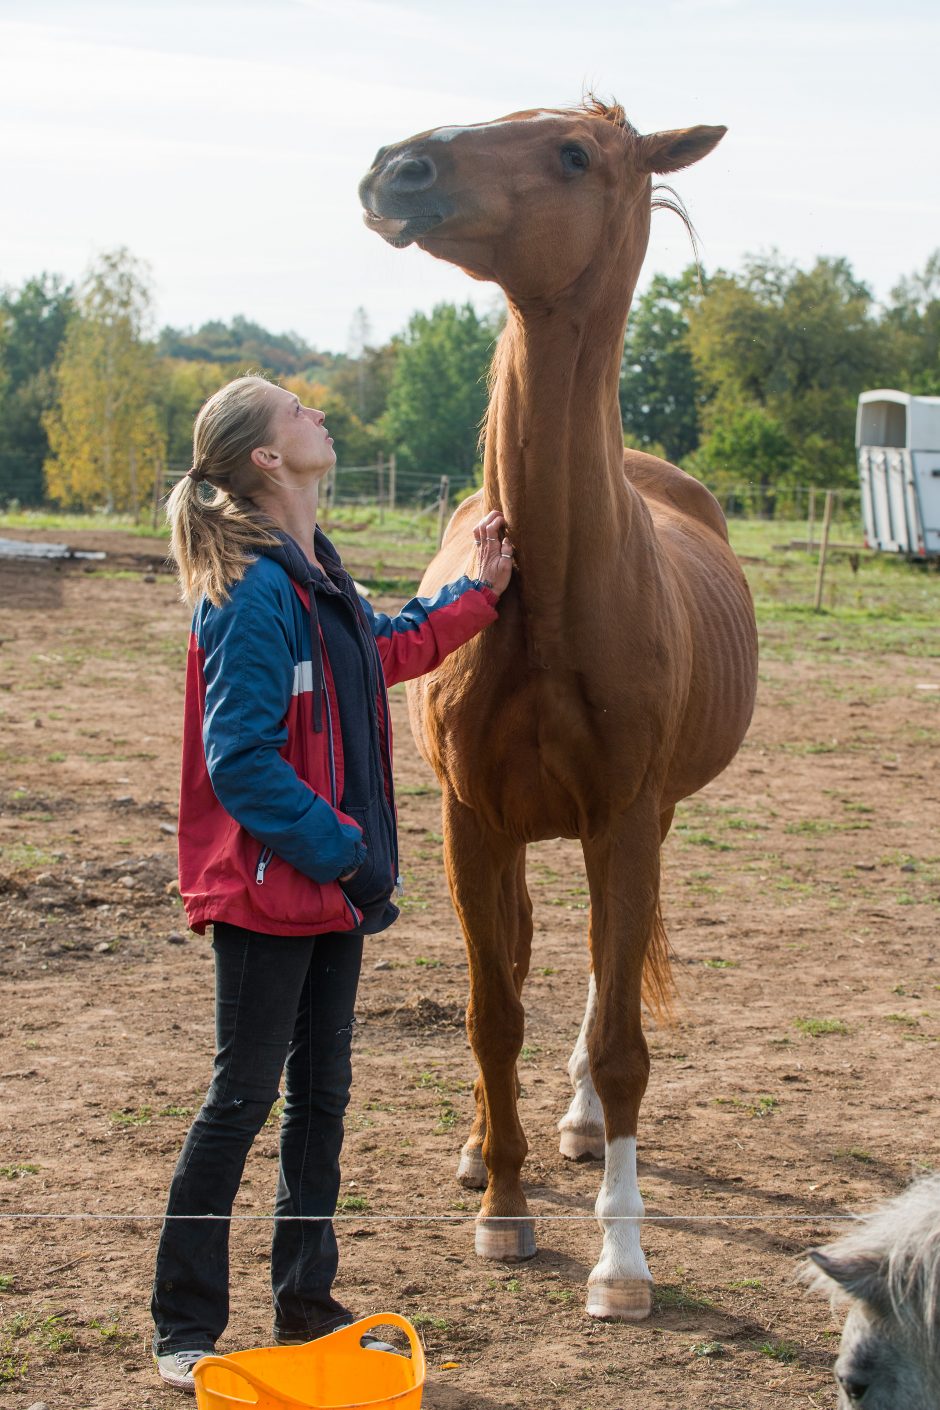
{"points": [[372, 883]]}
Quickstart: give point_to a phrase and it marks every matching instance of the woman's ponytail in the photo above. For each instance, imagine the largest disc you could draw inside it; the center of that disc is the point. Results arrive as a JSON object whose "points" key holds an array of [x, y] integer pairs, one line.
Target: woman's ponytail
{"points": [[213, 540]]}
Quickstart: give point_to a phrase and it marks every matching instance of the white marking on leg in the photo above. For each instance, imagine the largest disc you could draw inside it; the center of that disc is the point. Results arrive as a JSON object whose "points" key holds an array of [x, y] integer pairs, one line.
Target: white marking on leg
{"points": [[583, 1123], [622, 1255]]}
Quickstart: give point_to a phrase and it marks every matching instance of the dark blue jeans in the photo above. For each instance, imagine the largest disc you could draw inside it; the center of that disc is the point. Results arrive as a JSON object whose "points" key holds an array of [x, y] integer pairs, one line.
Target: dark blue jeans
{"points": [[282, 1002]]}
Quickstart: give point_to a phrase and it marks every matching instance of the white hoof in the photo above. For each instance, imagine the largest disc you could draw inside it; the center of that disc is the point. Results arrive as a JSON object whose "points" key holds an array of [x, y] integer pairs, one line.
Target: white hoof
{"points": [[509, 1240], [582, 1144], [471, 1170], [625, 1300]]}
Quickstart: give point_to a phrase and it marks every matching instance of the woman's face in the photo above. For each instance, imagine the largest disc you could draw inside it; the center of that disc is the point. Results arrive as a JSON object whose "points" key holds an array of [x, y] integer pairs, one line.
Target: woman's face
{"points": [[299, 437]]}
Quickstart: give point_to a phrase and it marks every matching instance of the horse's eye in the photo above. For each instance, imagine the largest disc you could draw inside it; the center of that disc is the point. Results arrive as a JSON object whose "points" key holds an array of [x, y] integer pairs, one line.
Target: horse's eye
{"points": [[853, 1388], [575, 159]]}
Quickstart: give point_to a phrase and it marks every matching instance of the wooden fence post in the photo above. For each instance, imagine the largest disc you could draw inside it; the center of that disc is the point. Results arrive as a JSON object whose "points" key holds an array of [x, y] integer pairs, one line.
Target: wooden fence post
{"points": [[811, 518], [392, 469], [442, 508], [380, 487], [159, 477], [823, 549]]}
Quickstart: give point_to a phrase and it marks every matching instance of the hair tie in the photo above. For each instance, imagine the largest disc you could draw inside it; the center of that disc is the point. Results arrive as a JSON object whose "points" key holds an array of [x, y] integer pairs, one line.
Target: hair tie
{"points": [[194, 474]]}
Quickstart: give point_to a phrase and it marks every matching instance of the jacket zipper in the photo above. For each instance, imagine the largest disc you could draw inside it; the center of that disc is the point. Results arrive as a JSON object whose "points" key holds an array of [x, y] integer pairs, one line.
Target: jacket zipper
{"points": [[264, 862], [399, 879], [356, 915]]}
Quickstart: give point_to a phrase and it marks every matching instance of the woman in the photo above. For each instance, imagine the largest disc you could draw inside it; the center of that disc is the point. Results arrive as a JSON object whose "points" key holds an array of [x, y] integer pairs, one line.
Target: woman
{"points": [[287, 838]]}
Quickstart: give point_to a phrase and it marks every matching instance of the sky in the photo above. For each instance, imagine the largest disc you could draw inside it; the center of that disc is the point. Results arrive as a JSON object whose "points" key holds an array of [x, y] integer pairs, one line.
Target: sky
{"points": [[223, 142]]}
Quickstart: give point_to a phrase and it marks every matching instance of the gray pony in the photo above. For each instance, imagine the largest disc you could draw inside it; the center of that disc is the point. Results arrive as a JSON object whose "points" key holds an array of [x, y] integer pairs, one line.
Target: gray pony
{"points": [[888, 1271]]}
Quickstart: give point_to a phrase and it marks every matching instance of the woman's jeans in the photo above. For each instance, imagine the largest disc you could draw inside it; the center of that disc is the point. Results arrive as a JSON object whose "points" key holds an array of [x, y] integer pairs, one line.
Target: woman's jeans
{"points": [[282, 1002]]}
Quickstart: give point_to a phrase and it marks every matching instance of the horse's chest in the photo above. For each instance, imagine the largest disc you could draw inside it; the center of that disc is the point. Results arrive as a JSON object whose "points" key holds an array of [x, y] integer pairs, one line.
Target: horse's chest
{"points": [[543, 754]]}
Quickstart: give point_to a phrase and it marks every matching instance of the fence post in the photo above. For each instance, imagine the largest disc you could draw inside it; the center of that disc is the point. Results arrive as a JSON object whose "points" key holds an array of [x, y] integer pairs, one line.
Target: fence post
{"points": [[811, 518], [159, 477], [380, 487], [823, 549], [392, 468], [442, 508]]}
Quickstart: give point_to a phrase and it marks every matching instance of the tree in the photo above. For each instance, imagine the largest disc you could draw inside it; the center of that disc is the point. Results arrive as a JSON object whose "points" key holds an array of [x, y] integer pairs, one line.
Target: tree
{"points": [[797, 344], [246, 345], [660, 392], [33, 320], [438, 393], [912, 322], [104, 432]]}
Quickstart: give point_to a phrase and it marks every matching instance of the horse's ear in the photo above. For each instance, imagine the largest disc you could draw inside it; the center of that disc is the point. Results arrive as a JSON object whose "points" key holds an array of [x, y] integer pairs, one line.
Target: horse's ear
{"points": [[661, 152], [862, 1278]]}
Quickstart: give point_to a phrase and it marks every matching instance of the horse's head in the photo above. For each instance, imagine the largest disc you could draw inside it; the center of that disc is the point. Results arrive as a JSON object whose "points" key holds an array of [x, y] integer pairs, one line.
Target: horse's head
{"points": [[530, 200]]}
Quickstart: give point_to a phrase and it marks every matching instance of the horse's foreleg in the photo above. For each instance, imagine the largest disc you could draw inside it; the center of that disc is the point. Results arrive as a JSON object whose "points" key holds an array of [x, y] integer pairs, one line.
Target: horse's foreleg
{"points": [[623, 873], [471, 1168], [485, 871]]}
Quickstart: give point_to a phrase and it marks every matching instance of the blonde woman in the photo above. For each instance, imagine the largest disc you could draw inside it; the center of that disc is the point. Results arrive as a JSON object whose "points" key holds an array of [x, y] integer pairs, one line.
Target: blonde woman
{"points": [[288, 845]]}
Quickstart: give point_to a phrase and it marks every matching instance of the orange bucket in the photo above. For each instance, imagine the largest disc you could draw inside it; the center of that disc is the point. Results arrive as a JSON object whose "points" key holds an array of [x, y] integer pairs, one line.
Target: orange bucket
{"points": [[332, 1373]]}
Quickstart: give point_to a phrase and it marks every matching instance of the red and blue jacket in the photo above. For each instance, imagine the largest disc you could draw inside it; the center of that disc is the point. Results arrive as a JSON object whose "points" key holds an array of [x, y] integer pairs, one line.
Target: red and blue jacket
{"points": [[268, 729]]}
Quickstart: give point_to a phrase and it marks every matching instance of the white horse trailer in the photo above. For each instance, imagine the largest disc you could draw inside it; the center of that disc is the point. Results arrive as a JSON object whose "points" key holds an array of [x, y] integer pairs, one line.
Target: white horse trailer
{"points": [[898, 442]]}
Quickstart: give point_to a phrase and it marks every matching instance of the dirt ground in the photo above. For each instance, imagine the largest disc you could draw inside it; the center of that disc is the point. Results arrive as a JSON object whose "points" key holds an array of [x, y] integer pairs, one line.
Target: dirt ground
{"points": [[802, 893]]}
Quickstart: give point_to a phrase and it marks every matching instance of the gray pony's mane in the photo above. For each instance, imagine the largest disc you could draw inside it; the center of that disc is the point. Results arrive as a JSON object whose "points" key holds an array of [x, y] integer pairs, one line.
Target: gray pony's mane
{"points": [[901, 1243]]}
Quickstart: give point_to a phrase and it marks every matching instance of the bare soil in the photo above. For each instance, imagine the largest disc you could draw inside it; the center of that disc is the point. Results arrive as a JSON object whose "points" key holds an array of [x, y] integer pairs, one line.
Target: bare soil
{"points": [[800, 1080]]}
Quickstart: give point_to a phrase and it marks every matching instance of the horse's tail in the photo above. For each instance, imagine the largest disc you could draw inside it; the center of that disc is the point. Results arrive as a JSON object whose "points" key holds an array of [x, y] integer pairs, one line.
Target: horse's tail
{"points": [[659, 986]]}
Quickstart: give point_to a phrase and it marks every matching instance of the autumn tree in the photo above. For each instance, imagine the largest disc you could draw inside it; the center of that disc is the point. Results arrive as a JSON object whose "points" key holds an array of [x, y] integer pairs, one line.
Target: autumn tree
{"points": [[105, 438]]}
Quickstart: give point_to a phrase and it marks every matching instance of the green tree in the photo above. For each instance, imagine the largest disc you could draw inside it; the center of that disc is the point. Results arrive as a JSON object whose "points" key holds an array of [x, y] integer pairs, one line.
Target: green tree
{"points": [[797, 344], [912, 322], [438, 393], [660, 393], [33, 320], [105, 439]]}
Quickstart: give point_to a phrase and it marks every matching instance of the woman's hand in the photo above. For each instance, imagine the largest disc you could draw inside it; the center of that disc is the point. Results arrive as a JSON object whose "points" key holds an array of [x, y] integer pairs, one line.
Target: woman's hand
{"points": [[494, 552]]}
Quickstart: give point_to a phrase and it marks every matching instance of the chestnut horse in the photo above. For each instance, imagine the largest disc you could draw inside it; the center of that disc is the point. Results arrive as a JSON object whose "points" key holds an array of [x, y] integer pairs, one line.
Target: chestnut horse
{"points": [[620, 675]]}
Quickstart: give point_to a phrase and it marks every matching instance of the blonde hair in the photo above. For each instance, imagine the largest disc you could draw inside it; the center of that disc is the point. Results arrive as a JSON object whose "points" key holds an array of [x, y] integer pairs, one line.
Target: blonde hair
{"points": [[212, 540]]}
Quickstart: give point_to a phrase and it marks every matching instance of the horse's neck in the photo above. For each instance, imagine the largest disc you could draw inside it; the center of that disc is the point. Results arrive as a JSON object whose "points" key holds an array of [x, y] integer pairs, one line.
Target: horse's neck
{"points": [[554, 464]]}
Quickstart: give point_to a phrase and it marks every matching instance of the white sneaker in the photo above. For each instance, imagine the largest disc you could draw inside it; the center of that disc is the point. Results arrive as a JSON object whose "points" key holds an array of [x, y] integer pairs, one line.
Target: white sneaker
{"points": [[176, 1368]]}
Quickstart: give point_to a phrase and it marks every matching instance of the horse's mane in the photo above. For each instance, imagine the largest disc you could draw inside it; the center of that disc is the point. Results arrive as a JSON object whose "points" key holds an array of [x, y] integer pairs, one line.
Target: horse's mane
{"points": [[902, 1241]]}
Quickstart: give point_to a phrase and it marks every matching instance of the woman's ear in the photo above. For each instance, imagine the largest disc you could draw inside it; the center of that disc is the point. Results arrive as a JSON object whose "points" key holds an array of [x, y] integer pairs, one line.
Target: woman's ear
{"points": [[265, 458]]}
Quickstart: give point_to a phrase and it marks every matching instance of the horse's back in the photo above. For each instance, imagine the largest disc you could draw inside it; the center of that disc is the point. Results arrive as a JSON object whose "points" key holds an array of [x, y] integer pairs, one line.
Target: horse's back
{"points": [[666, 486]]}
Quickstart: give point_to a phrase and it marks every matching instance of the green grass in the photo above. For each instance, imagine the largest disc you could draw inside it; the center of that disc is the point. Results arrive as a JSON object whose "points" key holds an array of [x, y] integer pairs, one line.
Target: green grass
{"points": [[14, 1172], [820, 1027], [62, 522]]}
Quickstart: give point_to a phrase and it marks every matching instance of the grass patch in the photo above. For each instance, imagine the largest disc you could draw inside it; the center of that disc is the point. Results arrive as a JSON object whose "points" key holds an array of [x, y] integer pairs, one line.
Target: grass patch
{"points": [[677, 1297], [127, 1116], [436, 1324], [14, 1172], [783, 1351], [820, 1027], [352, 1204]]}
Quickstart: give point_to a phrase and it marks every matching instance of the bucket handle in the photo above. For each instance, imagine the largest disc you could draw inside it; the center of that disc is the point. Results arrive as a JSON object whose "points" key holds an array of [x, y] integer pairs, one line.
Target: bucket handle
{"points": [[233, 1369], [391, 1319]]}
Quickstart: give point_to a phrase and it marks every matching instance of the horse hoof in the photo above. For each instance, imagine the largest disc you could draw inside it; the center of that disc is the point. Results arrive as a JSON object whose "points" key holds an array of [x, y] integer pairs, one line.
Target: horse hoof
{"points": [[626, 1300], [582, 1145], [471, 1170], [510, 1240]]}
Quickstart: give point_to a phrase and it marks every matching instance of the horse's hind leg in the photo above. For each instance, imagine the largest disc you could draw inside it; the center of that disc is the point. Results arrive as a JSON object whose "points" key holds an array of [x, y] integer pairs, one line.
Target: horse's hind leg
{"points": [[623, 873], [471, 1168], [582, 1126]]}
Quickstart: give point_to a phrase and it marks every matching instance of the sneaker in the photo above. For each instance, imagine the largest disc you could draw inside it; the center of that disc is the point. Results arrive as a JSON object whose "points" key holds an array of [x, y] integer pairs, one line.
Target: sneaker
{"points": [[176, 1368]]}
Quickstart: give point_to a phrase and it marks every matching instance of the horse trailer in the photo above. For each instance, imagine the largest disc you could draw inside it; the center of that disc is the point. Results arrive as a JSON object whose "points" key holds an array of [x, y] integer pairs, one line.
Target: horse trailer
{"points": [[897, 437]]}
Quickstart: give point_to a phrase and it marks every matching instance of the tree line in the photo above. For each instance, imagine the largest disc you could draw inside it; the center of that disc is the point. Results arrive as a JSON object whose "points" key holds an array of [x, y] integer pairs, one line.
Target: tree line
{"points": [[745, 377]]}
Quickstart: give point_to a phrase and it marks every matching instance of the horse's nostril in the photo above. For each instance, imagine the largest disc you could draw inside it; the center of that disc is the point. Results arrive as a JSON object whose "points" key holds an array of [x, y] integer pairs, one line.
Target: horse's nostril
{"points": [[413, 174]]}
